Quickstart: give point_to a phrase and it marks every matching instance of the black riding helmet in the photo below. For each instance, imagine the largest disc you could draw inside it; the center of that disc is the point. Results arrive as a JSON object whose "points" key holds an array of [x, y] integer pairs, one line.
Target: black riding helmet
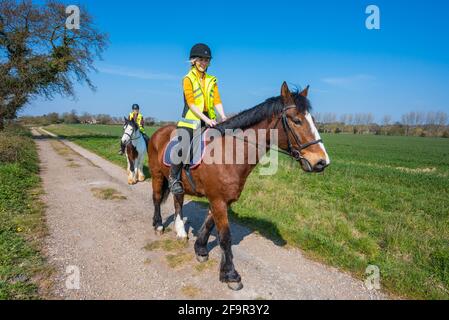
{"points": [[200, 50], [136, 107]]}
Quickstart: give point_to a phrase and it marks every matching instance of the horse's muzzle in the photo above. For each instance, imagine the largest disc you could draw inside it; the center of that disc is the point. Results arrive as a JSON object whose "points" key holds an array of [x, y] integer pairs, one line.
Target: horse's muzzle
{"points": [[307, 166], [320, 166]]}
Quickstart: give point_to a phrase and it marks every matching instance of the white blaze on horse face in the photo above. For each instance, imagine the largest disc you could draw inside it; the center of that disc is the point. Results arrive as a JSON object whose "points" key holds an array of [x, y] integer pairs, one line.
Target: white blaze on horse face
{"points": [[128, 133], [317, 136]]}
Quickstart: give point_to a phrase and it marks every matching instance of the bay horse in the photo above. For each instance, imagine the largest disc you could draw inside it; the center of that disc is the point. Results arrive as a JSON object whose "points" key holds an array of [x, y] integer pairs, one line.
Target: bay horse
{"points": [[136, 148], [222, 184]]}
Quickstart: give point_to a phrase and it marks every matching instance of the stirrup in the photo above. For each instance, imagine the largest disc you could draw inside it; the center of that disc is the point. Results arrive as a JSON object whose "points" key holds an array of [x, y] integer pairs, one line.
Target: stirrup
{"points": [[176, 187]]}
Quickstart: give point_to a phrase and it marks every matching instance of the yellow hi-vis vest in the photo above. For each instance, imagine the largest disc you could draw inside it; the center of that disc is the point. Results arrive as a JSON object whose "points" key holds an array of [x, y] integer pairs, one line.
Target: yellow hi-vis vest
{"points": [[138, 121], [203, 97]]}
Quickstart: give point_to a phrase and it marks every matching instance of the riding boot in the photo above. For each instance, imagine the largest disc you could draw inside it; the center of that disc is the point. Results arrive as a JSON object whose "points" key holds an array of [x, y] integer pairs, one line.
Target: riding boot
{"points": [[174, 180], [146, 138], [122, 149]]}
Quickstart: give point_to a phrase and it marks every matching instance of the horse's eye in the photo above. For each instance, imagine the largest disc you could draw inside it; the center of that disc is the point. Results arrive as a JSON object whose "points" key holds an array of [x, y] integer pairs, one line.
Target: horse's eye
{"points": [[297, 121]]}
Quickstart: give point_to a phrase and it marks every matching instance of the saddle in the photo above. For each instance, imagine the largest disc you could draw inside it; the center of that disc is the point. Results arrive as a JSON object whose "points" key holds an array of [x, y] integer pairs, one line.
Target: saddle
{"points": [[195, 155]]}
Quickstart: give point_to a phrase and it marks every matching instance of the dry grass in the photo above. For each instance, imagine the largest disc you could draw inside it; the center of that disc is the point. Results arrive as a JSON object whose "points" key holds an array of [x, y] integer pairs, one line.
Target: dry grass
{"points": [[61, 148], [107, 194], [178, 260], [168, 245], [210, 264], [191, 291]]}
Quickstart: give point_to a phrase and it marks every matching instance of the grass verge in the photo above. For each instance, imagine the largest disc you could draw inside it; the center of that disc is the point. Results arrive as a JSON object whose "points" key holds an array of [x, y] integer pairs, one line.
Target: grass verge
{"points": [[23, 270]]}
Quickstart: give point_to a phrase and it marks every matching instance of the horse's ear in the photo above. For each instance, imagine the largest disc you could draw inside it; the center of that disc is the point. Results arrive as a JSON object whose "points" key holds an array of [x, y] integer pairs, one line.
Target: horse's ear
{"points": [[286, 95], [305, 92], [126, 120]]}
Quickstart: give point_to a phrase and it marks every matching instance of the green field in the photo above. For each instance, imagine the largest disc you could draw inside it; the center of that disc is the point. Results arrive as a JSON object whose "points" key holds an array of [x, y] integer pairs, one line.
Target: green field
{"points": [[384, 202], [23, 270]]}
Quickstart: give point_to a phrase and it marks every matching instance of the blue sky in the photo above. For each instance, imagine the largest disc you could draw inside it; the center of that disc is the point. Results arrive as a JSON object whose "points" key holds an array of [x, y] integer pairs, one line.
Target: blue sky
{"points": [[257, 45]]}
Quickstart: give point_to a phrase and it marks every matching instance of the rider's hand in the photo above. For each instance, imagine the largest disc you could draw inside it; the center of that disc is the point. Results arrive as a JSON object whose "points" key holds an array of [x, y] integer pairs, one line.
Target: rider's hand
{"points": [[211, 123], [224, 118]]}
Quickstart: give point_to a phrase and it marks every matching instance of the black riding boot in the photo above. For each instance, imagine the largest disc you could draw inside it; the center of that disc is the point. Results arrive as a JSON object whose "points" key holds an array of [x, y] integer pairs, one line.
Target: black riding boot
{"points": [[146, 138], [174, 180], [122, 149]]}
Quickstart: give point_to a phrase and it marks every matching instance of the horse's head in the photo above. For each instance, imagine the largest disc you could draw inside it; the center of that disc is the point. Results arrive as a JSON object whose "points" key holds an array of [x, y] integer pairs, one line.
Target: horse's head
{"points": [[129, 128], [300, 136]]}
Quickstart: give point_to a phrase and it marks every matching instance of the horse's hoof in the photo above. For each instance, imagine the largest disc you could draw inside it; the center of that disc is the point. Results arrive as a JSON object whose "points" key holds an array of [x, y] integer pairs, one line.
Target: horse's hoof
{"points": [[235, 286], [130, 182], [202, 259], [142, 179], [182, 239], [159, 231]]}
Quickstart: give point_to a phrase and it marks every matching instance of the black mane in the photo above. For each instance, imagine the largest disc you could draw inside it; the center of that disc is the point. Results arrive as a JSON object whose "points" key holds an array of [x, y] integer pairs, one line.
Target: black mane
{"points": [[132, 122], [263, 111]]}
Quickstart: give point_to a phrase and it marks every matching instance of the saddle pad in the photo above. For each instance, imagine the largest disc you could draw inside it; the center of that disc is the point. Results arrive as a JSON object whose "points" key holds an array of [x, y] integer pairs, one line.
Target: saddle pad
{"points": [[198, 152]]}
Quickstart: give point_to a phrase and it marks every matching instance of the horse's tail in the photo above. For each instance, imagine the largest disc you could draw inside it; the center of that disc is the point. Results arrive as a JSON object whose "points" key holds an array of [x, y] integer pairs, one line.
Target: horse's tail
{"points": [[165, 190]]}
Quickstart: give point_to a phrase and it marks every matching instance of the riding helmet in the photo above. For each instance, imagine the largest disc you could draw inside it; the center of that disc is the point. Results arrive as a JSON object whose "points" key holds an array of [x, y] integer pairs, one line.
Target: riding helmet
{"points": [[136, 107], [200, 50]]}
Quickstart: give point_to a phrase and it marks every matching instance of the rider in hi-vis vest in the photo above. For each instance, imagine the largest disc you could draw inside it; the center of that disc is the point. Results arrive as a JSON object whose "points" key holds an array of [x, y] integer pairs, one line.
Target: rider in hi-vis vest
{"points": [[138, 118], [201, 102]]}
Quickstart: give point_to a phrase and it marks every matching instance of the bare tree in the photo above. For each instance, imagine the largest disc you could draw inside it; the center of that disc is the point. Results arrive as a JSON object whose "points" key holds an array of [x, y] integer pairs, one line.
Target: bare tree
{"points": [[386, 120], [420, 118], [431, 119], [441, 118], [329, 117], [350, 119]]}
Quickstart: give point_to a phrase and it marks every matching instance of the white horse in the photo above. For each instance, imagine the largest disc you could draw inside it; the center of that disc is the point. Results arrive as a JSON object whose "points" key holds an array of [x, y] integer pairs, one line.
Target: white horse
{"points": [[136, 149]]}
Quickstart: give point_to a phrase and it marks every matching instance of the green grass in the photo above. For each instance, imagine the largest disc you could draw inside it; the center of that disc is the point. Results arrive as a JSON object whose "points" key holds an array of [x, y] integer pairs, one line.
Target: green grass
{"points": [[384, 202], [365, 210], [22, 227]]}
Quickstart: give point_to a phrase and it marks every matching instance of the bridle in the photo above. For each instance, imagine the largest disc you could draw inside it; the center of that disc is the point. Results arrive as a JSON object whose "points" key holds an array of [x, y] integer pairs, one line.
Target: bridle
{"points": [[130, 136], [295, 153]]}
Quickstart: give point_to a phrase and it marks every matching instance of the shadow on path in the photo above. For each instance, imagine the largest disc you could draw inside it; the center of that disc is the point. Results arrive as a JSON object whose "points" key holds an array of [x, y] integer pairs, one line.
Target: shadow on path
{"points": [[196, 212]]}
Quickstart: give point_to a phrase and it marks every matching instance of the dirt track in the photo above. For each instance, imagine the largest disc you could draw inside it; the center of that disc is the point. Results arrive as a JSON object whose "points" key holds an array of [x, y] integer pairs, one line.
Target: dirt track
{"points": [[106, 240]]}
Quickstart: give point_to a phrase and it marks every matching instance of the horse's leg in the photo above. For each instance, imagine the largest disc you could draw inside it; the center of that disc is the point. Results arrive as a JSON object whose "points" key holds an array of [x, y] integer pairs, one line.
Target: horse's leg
{"points": [[179, 221], [158, 195], [134, 174], [228, 274], [134, 171], [202, 254], [140, 168], [130, 174]]}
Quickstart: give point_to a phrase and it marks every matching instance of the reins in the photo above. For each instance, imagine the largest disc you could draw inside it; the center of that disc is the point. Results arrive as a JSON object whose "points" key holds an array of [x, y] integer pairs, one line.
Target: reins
{"points": [[292, 152]]}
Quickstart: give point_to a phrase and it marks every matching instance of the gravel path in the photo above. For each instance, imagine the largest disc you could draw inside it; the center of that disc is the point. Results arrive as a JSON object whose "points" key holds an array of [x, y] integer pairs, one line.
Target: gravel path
{"points": [[113, 245]]}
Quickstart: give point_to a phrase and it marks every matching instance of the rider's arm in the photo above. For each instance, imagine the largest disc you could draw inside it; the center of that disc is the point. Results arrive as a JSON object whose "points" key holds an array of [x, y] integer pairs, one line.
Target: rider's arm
{"points": [[218, 104], [188, 93]]}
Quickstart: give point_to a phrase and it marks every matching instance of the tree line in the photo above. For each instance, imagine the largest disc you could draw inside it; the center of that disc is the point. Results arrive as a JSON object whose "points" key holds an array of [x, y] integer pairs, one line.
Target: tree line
{"points": [[72, 117], [430, 124]]}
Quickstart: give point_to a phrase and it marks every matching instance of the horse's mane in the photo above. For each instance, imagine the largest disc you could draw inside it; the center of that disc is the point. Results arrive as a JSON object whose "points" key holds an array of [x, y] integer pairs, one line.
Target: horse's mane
{"points": [[133, 123], [263, 111]]}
